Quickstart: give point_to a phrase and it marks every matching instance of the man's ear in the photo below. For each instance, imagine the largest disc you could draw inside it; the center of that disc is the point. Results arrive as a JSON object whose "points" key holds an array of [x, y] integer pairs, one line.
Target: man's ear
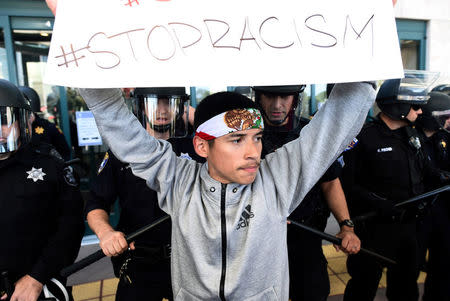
{"points": [[201, 146]]}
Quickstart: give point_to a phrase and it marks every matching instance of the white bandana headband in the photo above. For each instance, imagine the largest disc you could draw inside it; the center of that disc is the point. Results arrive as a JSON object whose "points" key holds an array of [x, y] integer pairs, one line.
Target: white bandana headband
{"points": [[229, 122]]}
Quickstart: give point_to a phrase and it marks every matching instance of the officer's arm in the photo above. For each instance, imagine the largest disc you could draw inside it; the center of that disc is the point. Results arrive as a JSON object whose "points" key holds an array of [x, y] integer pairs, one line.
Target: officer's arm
{"points": [[298, 165], [103, 194], [334, 195], [63, 245]]}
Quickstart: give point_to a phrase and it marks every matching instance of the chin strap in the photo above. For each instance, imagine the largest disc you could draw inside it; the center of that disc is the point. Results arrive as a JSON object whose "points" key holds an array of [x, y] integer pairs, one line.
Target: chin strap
{"points": [[161, 128]]}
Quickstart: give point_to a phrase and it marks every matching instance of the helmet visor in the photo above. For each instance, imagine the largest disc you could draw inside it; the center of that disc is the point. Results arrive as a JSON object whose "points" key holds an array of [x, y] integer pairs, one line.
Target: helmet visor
{"points": [[164, 116], [443, 118], [414, 87], [15, 128]]}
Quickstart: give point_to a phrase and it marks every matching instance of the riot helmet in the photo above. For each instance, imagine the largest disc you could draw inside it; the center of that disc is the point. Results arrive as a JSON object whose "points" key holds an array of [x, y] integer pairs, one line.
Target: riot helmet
{"points": [[442, 88], [396, 97], [436, 113], [162, 111], [33, 97], [277, 112], [15, 118]]}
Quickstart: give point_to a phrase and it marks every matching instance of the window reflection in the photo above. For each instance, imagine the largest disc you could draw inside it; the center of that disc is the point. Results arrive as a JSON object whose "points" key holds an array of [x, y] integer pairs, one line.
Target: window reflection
{"points": [[3, 59]]}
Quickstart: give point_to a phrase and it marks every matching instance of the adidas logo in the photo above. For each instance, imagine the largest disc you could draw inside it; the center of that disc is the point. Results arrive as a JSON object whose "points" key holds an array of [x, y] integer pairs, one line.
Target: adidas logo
{"points": [[246, 215]]}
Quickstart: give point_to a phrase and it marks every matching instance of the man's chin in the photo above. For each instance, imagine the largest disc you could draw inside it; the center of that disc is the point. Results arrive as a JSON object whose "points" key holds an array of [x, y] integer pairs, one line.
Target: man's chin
{"points": [[246, 180]]}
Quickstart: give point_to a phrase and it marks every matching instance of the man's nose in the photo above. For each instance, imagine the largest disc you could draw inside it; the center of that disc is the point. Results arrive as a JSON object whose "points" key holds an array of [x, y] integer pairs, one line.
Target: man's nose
{"points": [[277, 102], [252, 151]]}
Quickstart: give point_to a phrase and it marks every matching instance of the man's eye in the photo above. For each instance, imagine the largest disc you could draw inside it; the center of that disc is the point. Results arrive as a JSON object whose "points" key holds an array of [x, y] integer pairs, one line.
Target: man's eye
{"points": [[236, 140]]}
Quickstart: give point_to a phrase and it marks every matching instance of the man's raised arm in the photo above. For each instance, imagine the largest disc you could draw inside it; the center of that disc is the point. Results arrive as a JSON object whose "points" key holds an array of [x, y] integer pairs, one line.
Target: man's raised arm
{"points": [[298, 165]]}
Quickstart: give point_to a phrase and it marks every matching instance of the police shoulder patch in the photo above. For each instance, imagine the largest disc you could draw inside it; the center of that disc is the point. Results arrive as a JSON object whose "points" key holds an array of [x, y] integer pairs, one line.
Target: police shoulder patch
{"points": [[351, 145], [103, 164]]}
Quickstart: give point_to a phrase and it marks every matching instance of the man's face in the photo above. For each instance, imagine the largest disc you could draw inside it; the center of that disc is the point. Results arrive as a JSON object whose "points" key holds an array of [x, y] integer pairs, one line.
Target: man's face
{"points": [[276, 108], [414, 112], [9, 130], [447, 123], [163, 114], [235, 157]]}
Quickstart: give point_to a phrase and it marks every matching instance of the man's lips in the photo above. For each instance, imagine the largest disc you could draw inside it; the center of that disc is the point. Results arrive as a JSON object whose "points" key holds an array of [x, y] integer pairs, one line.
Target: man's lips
{"points": [[276, 114], [250, 168]]}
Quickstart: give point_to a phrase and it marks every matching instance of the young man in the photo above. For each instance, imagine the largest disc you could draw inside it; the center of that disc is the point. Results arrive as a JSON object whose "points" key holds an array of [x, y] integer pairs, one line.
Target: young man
{"points": [[281, 108], [214, 254], [144, 271]]}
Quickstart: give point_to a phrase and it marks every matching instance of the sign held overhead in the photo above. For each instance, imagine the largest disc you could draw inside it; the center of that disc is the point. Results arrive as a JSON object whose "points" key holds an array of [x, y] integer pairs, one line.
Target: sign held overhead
{"points": [[126, 43]]}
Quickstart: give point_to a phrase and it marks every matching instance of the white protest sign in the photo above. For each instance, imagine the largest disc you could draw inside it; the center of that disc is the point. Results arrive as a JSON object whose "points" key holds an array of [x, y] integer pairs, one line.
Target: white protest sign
{"points": [[139, 43], [87, 129]]}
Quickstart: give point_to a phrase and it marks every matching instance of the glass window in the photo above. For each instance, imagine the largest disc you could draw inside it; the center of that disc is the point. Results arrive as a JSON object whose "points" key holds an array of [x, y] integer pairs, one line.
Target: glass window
{"points": [[410, 53], [3, 60], [31, 51], [202, 92]]}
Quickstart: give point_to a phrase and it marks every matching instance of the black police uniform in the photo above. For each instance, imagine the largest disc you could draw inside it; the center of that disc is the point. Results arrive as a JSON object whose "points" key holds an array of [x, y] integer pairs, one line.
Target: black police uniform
{"points": [[148, 267], [434, 230], [47, 132], [41, 212], [308, 272], [384, 165]]}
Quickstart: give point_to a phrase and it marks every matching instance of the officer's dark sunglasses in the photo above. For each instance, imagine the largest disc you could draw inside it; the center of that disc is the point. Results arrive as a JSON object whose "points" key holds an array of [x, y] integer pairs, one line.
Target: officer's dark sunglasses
{"points": [[416, 107]]}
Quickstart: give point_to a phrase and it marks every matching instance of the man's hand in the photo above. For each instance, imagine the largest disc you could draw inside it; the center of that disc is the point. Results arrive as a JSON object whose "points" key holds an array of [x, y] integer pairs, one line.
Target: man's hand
{"points": [[26, 289], [350, 242], [114, 243], [52, 5]]}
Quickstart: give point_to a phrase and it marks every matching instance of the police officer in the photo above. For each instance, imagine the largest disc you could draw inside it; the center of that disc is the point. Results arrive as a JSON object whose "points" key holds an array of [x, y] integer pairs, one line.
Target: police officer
{"points": [[41, 222], [434, 230], [144, 271], [386, 166], [309, 280], [43, 130]]}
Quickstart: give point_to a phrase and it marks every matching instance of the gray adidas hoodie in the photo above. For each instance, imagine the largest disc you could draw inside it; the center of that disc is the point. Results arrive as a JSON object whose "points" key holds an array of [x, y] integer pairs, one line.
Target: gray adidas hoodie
{"points": [[229, 241]]}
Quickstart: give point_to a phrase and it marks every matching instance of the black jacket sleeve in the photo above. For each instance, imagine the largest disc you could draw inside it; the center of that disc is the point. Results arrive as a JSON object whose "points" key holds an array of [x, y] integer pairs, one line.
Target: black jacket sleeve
{"points": [[104, 191], [64, 243]]}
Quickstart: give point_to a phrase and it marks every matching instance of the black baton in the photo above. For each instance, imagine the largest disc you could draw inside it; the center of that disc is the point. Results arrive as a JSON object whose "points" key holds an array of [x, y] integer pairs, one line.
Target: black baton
{"points": [[337, 241], [90, 259], [404, 203]]}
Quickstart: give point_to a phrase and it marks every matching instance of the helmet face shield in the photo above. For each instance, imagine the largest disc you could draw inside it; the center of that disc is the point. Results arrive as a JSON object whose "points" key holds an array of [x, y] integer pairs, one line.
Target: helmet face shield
{"points": [[415, 86], [15, 128], [443, 119], [163, 116]]}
